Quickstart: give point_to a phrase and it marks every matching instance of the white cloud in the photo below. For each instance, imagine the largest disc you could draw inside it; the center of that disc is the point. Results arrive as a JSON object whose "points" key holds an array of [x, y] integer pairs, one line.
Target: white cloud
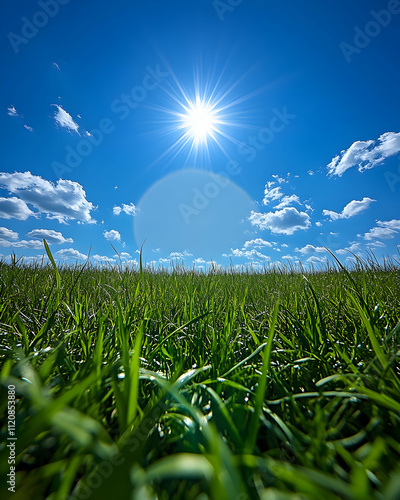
{"points": [[8, 234], [103, 258], [180, 255], [365, 154], [350, 210], [50, 236], [317, 260], [376, 244], [287, 200], [28, 128], [127, 209], [278, 179], [36, 245], [285, 221], [248, 254], [14, 208], [64, 119], [354, 247], [112, 235], [289, 257], [56, 65], [71, 253], [199, 260], [319, 224], [271, 193], [257, 243], [310, 172], [11, 111], [310, 249], [384, 230], [62, 201]]}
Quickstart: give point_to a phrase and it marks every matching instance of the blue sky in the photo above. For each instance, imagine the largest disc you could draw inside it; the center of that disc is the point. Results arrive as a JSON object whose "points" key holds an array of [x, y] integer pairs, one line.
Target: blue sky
{"points": [[244, 132]]}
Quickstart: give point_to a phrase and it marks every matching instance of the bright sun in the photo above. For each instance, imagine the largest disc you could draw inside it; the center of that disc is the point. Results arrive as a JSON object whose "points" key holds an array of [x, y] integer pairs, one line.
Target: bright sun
{"points": [[200, 121]]}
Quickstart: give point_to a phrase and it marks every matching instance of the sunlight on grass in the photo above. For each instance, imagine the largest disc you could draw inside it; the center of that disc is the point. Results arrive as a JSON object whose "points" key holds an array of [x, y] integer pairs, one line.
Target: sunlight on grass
{"points": [[140, 384]]}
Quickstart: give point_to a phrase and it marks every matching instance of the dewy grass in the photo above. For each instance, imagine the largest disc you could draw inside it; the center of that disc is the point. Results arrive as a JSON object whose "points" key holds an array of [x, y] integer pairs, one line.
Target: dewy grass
{"points": [[183, 385]]}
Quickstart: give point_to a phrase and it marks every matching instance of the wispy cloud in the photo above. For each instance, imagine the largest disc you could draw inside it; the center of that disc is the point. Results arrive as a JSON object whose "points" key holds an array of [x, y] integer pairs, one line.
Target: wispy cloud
{"points": [[112, 235], [180, 255], [127, 209], [28, 128], [287, 200], [64, 119], [350, 210], [11, 111], [271, 193], [63, 201], [384, 230], [104, 258], [248, 254], [285, 221], [365, 154]]}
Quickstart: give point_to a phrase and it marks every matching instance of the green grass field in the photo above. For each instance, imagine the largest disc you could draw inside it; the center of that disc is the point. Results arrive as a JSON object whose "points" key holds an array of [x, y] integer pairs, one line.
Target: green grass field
{"points": [[133, 384]]}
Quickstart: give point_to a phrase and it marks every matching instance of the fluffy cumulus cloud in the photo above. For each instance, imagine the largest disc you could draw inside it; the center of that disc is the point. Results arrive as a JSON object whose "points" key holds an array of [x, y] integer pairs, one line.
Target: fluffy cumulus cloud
{"points": [[383, 230], [112, 235], [64, 119], [350, 210], [258, 243], [14, 208], [366, 154], [50, 236], [354, 247], [285, 221], [309, 249], [126, 209], [63, 201], [70, 253], [8, 234]]}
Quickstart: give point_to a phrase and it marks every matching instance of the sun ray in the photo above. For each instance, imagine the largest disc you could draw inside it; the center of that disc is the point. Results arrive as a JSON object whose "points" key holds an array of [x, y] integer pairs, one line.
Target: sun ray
{"points": [[202, 120]]}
